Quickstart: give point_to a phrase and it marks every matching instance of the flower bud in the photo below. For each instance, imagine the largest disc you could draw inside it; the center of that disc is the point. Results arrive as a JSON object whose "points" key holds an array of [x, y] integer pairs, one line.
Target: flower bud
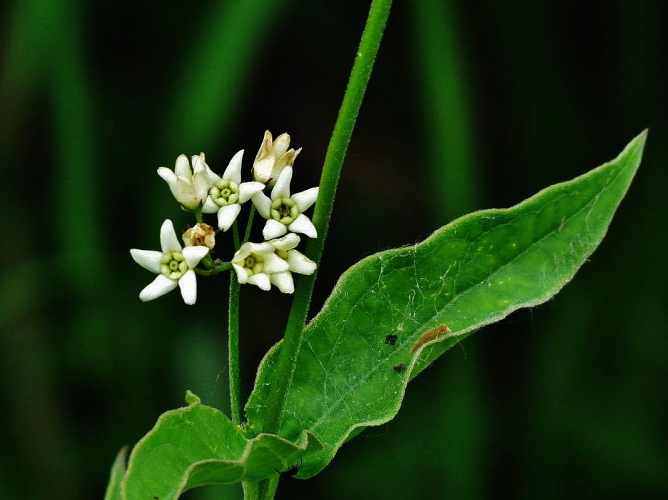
{"points": [[189, 186], [272, 158], [200, 235]]}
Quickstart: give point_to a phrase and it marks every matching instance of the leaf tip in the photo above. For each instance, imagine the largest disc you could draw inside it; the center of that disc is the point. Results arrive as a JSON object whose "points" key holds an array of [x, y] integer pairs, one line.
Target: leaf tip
{"points": [[192, 399], [639, 140], [642, 136]]}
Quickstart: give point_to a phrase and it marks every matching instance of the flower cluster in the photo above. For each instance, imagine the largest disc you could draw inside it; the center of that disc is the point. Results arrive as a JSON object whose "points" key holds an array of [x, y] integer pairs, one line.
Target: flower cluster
{"points": [[272, 262], [201, 191]]}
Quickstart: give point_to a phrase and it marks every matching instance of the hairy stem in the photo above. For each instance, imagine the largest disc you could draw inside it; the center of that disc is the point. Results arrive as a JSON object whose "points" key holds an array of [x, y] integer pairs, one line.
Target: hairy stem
{"points": [[233, 342], [352, 100], [249, 224]]}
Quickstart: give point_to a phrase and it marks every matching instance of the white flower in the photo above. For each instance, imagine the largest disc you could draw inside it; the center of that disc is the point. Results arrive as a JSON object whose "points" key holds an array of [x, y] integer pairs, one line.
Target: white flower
{"points": [[174, 266], [272, 158], [189, 187], [297, 262], [255, 262], [227, 193], [284, 212]]}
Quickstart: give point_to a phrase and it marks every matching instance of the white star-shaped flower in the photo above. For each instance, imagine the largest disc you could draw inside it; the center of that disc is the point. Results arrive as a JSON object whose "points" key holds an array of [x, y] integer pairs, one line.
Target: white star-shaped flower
{"points": [[272, 158], [255, 262], [174, 266], [227, 193], [284, 212], [297, 262], [189, 186]]}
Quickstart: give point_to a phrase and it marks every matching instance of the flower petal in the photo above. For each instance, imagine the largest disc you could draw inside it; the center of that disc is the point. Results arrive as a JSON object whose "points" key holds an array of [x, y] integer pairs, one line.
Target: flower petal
{"points": [[299, 263], [168, 176], [303, 224], [212, 176], [287, 242], [242, 274], [227, 215], [210, 206], [282, 187], [233, 170], [283, 281], [148, 259], [248, 248], [157, 288], [248, 189], [274, 264], [185, 193], [168, 240], [281, 144], [305, 199], [182, 167], [188, 286], [262, 203], [264, 159], [200, 178], [193, 255], [266, 148], [274, 229], [243, 252], [287, 159], [265, 248], [260, 280]]}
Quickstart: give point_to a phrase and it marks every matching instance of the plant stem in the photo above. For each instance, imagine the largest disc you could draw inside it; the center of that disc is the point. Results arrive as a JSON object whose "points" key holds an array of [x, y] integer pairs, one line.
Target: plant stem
{"points": [[352, 100], [260, 490], [249, 224], [233, 342]]}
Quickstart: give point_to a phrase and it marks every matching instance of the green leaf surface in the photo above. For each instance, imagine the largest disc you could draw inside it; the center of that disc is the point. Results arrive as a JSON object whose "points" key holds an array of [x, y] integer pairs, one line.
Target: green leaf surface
{"points": [[470, 273], [198, 445], [116, 476]]}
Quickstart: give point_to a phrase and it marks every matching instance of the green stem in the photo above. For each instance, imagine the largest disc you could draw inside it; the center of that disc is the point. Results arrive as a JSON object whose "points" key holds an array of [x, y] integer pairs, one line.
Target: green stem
{"points": [[233, 342], [235, 235], [249, 224], [352, 100], [261, 490], [198, 215], [215, 267]]}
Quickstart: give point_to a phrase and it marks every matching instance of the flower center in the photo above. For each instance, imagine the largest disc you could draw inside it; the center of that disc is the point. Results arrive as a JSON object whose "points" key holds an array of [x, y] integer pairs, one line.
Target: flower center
{"points": [[254, 264], [173, 265], [225, 192], [284, 210]]}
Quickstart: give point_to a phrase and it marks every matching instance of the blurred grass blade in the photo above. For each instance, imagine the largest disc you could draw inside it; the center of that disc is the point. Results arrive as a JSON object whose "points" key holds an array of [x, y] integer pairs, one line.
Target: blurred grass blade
{"points": [[209, 87], [75, 196], [446, 107]]}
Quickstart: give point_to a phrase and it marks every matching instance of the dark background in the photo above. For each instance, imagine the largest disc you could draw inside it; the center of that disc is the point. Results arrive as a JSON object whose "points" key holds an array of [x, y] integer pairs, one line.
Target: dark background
{"points": [[471, 105]]}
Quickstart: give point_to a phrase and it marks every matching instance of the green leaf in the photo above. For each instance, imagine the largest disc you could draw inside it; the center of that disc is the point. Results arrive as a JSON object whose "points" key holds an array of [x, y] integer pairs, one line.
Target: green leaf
{"points": [[197, 445], [117, 470], [470, 273]]}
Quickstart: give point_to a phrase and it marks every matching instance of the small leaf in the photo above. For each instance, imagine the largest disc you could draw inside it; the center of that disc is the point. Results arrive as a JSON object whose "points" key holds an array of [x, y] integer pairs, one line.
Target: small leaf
{"points": [[197, 445], [470, 273], [117, 470]]}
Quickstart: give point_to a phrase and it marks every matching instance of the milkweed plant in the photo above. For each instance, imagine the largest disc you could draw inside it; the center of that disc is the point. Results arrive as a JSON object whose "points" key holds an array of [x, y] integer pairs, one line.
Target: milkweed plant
{"points": [[393, 312]]}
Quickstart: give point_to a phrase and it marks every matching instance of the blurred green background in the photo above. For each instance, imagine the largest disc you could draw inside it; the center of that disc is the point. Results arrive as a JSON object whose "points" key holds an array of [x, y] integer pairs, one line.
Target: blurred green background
{"points": [[471, 105]]}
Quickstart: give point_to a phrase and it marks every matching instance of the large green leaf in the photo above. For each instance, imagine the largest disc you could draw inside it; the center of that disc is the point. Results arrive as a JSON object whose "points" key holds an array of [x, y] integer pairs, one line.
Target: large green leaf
{"points": [[470, 273], [198, 445]]}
